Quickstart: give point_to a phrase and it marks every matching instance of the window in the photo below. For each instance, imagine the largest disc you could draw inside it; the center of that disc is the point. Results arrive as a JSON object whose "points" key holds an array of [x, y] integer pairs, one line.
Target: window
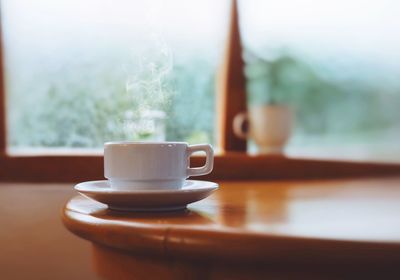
{"points": [[79, 73], [337, 63]]}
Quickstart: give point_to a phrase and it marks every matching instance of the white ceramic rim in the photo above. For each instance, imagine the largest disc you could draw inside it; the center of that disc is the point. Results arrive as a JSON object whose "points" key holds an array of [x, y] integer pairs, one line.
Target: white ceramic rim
{"points": [[207, 185]]}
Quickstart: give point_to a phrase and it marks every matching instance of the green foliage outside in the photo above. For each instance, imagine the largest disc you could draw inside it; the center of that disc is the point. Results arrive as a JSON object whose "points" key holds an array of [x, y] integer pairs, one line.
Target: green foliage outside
{"points": [[84, 104], [327, 100], [67, 102]]}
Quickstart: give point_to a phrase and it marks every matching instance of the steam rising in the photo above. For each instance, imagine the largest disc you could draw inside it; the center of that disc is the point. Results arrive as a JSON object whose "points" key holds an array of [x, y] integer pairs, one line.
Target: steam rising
{"points": [[149, 87]]}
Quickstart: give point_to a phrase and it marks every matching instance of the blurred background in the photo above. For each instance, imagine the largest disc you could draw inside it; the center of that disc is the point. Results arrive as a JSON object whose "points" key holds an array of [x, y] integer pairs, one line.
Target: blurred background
{"points": [[79, 73]]}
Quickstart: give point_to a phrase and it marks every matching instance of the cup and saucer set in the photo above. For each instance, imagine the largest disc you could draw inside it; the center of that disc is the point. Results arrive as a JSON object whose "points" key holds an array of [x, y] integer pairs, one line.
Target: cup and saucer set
{"points": [[150, 176]]}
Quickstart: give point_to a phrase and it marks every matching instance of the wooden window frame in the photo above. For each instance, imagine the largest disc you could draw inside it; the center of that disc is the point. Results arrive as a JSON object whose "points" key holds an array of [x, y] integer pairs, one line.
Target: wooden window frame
{"points": [[232, 164]]}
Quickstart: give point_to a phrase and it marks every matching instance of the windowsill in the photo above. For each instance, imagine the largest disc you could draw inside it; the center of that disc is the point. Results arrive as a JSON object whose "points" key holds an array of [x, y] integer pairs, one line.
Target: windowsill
{"points": [[387, 154], [229, 166], [365, 153]]}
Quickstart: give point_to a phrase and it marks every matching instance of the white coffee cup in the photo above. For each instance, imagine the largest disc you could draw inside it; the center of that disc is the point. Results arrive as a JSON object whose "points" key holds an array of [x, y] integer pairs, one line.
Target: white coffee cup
{"points": [[269, 126], [152, 165]]}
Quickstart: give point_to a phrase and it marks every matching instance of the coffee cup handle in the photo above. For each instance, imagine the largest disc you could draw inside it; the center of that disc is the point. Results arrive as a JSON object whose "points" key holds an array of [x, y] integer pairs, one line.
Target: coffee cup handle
{"points": [[208, 166], [238, 121]]}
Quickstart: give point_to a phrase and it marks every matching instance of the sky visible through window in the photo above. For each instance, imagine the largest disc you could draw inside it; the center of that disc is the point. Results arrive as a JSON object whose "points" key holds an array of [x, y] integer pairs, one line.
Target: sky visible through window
{"points": [[79, 73]]}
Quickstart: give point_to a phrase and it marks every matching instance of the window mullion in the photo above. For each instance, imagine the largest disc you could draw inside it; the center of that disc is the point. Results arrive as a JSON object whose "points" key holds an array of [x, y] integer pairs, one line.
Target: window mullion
{"points": [[231, 87]]}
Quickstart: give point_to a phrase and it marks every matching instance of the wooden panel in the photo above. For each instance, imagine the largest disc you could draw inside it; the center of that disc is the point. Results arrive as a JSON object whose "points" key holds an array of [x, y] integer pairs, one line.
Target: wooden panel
{"points": [[231, 87], [34, 243], [239, 166], [51, 168], [117, 264], [232, 166]]}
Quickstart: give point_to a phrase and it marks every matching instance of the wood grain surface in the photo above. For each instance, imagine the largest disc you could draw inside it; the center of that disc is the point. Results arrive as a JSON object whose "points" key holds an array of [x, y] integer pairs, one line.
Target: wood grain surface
{"points": [[34, 243], [343, 226], [230, 166]]}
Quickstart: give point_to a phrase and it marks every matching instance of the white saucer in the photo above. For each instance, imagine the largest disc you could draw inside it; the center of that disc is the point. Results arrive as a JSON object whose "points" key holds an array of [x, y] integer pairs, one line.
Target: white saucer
{"points": [[146, 200]]}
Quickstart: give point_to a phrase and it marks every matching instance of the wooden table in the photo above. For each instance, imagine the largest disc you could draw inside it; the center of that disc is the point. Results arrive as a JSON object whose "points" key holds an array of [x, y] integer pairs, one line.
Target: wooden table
{"points": [[34, 244], [309, 229]]}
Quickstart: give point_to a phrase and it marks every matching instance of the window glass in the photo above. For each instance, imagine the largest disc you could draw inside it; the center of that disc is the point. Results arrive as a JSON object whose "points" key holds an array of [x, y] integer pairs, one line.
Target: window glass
{"points": [[337, 63], [79, 73]]}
